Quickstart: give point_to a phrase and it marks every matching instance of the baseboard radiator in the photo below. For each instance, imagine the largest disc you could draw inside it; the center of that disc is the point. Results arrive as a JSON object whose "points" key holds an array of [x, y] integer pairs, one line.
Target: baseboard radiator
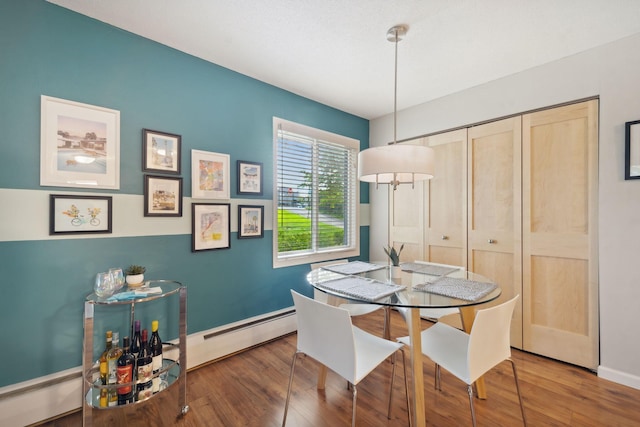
{"points": [[46, 397]]}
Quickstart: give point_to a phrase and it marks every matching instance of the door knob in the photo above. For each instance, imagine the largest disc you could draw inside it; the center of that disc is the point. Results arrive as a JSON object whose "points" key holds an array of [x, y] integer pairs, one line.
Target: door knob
{"points": [[491, 241], [445, 237]]}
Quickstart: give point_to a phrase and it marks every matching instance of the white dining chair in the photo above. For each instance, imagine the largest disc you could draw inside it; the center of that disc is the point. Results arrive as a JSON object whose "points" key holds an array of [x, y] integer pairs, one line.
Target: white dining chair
{"points": [[326, 334], [470, 356]]}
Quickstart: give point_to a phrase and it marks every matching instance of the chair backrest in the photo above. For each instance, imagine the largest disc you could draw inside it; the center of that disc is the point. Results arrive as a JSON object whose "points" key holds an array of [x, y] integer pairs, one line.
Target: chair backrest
{"points": [[325, 333], [489, 342]]}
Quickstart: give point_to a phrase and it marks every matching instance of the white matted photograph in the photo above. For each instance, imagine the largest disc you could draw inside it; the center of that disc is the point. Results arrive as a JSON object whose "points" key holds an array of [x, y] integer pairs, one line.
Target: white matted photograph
{"points": [[161, 152], [79, 145], [162, 196], [209, 175], [250, 222], [210, 226]]}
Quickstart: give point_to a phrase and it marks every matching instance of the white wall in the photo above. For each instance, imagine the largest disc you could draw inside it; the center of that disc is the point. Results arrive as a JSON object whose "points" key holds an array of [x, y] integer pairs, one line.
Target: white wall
{"points": [[611, 72]]}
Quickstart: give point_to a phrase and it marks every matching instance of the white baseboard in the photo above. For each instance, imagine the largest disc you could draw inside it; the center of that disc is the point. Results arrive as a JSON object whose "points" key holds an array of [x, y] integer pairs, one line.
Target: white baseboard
{"points": [[42, 398], [619, 377]]}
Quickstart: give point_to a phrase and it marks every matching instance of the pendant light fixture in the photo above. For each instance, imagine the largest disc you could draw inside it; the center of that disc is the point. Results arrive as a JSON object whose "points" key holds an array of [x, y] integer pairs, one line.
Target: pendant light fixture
{"points": [[395, 164]]}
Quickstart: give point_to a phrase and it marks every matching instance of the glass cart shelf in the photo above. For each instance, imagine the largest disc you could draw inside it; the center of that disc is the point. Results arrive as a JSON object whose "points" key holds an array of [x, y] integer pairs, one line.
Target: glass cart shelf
{"points": [[173, 370]]}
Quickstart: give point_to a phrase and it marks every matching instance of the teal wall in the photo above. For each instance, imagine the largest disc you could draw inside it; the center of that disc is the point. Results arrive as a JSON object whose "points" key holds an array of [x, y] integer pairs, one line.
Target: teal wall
{"points": [[48, 50]]}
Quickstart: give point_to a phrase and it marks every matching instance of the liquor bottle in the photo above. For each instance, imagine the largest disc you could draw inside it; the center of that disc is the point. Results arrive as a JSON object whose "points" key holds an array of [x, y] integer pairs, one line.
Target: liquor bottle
{"points": [[136, 342], [112, 361], [104, 370], [155, 344], [124, 371], [144, 367]]}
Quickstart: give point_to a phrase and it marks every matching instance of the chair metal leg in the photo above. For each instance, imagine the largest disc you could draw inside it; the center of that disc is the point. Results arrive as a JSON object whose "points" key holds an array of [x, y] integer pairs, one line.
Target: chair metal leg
{"points": [[386, 332], [473, 412], [286, 404], [515, 377], [393, 375]]}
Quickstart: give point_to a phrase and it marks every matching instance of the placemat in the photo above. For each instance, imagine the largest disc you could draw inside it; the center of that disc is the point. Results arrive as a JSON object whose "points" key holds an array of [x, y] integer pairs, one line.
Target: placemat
{"points": [[359, 287], [467, 290], [354, 267], [433, 270]]}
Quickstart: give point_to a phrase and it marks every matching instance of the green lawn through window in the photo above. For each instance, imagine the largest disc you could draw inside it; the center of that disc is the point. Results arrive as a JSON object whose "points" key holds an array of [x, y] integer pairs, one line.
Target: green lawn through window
{"points": [[294, 233]]}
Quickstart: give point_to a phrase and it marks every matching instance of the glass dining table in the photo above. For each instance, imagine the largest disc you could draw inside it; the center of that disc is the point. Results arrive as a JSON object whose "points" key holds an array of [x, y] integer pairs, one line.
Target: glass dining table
{"points": [[412, 286]]}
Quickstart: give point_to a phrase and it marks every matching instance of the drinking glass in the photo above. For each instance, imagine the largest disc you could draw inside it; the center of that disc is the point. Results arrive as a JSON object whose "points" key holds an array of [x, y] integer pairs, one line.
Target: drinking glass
{"points": [[104, 286], [118, 278]]}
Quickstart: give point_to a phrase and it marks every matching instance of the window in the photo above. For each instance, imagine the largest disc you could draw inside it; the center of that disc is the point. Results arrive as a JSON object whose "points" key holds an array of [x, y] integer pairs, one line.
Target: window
{"points": [[315, 195]]}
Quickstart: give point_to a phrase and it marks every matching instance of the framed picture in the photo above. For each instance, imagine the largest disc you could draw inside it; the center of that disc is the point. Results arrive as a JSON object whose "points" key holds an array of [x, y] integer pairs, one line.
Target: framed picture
{"points": [[161, 152], [632, 150], [249, 177], [79, 214], [162, 196], [250, 222], [209, 175], [210, 226], [79, 145]]}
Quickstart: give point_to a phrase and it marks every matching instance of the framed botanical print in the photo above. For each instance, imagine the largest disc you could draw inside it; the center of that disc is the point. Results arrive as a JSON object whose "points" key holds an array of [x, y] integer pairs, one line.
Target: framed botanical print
{"points": [[209, 175], [250, 222], [210, 226], [79, 145], [160, 152], [162, 196], [249, 177], [70, 214]]}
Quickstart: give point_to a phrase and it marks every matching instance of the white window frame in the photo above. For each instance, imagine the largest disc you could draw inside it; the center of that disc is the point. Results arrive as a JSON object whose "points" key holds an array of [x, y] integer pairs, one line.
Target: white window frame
{"points": [[354, 213]]}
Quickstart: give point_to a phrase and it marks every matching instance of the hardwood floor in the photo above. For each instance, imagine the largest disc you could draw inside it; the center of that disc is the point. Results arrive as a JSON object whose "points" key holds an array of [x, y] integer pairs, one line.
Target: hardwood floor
{"points": [[249, 389]]}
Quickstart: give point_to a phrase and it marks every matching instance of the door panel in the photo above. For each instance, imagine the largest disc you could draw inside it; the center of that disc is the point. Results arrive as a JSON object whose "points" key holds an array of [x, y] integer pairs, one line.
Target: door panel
{"points": [[446, 207], [494, 210], [406, 217], [560, 316]]}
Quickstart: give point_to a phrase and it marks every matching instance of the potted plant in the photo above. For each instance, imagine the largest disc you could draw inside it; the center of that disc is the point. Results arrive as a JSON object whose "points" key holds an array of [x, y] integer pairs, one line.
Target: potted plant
{"points": [[393, 255], [135, 275]]}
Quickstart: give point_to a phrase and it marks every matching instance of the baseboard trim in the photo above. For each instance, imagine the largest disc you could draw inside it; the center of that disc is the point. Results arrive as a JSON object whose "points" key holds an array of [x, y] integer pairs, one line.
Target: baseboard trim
{"points": [[619, 377], [42, 398]]}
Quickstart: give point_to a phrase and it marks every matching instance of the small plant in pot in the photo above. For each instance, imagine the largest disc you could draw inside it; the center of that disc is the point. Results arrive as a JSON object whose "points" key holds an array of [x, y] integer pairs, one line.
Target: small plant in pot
{"points": [[393, 255], [135, 275]]}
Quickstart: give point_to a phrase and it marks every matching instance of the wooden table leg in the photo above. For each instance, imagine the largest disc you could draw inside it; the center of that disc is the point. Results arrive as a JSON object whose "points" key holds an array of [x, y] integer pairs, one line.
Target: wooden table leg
{"points": [[322, 377], [468, 315], [417, 405]]}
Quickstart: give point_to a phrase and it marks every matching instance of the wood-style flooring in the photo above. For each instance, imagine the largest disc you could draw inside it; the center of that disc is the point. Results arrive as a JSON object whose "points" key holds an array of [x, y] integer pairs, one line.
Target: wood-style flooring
{"points": [[249, 389]]}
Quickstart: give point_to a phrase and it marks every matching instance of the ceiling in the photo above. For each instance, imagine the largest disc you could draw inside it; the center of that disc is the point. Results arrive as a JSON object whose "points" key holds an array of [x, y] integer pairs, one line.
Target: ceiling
{"points": [[336, 52]]}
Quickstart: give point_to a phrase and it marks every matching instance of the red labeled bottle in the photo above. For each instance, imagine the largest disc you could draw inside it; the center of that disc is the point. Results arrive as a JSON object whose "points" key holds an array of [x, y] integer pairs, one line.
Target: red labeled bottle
{"points": [[124, 373]]}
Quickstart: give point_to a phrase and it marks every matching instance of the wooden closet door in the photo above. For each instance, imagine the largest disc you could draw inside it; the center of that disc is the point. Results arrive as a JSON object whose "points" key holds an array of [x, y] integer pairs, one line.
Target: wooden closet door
{"points": [[560, 158], [446, 197], [494, 210], [406, 217]]}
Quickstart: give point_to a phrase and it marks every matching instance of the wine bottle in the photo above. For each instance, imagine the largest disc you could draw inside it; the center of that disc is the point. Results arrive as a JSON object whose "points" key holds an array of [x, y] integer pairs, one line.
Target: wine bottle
{"points": [[124, 371], [135, 343], [155, 344], [112, 361], [104, 370], [144, 367]]}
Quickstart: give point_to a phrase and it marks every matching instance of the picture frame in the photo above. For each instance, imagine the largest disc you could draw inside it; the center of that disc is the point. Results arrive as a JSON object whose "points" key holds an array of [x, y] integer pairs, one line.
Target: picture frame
{"points": [[210, 226], [162, 196], [250, 222], [79, 145], [249, 177], [161, 152], [632, 150], [76, 214], [209, 175]]}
